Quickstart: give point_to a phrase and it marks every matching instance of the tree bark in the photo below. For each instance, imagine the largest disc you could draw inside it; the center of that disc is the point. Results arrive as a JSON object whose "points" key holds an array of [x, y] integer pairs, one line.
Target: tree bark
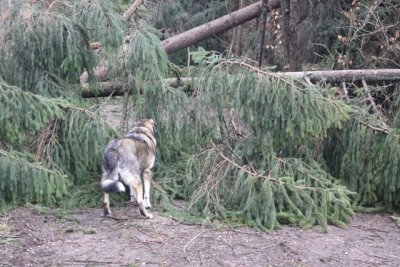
{"points": [[285, 4], [331, 76], [238, 34], [335, 76], [261, 32], [214, 27], [132, 9], [105, 89]]}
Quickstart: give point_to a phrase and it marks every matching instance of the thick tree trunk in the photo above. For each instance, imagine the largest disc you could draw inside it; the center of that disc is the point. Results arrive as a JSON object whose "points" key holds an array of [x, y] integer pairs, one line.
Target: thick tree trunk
{"points": [[261, 31], [214, 27], [330, 76]]}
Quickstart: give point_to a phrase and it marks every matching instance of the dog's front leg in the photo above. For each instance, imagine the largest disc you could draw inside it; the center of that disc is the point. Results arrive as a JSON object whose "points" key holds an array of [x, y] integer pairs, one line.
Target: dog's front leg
{"points": [[147, 175]]}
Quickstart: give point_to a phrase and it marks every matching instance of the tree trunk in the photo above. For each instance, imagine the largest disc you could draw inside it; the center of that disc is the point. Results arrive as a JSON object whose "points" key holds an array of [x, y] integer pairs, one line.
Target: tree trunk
{"points": [[238, 34], [214, 27], [330, 76], [335, 76], [285, 6], [105, 89], [261, 31]]}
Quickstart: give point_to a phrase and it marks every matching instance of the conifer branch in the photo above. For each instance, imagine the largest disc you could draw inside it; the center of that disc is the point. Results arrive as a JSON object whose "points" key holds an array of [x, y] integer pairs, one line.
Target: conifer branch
{"points": [[381, 130], [269, 178], [267, 73], [44, 143]]}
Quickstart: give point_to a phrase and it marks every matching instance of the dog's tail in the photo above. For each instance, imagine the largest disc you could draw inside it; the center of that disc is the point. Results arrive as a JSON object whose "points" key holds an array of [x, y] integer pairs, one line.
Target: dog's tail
{"points": [[109, 181], [109, 186]]}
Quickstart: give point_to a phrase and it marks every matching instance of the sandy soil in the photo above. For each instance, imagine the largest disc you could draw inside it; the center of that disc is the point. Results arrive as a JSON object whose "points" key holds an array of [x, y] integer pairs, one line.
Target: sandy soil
{"points": [[85, 238]]}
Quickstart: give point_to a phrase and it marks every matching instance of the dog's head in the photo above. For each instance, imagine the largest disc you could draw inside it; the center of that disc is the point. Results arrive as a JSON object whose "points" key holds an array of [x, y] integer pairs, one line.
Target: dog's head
{"points": [[146, 123]]}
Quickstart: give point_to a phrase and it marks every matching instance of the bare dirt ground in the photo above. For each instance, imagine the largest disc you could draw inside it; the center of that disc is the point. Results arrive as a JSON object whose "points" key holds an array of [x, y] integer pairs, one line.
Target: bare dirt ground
{"points": [[85, 238]]}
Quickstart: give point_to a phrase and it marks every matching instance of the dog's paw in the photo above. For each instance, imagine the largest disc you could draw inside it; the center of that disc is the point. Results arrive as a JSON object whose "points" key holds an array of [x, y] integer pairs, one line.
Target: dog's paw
{"points": [[107, 213], [149, 216]]}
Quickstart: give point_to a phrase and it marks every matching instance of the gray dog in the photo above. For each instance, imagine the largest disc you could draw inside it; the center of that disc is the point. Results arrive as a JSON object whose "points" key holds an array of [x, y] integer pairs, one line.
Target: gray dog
{"points": [[126, 160]]}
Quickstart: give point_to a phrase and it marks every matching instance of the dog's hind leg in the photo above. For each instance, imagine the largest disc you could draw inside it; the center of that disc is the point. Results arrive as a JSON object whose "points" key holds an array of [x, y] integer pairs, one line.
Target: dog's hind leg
{"points": [[147, 175], [106, 205], [138, 188], [133, 195]]}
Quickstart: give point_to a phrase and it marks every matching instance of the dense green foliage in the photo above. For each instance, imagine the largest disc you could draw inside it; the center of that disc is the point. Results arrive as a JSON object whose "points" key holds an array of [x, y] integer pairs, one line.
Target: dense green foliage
{"points": [[50, 139], [237, 144], [45, 46], [23, 181], [261, 171], [368, 163]]}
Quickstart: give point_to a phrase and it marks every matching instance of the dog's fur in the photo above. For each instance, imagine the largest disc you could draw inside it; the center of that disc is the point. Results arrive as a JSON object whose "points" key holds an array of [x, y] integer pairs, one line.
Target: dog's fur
{"points": [[126, 161]]}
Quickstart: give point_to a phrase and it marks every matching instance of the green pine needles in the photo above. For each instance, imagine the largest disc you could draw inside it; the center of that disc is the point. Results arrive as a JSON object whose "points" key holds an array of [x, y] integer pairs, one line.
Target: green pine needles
{"points": [[290, 191], [49, 138], [252, 148], [368, 161], [62, 144], [82, 137], [24, 110], [238, 144], [23, 181], [44, 45]]}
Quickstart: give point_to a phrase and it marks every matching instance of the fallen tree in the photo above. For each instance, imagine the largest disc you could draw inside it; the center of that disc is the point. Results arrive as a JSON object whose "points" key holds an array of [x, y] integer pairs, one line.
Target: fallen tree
{"points": [[214, 27], [195, 35], [105, 89], [330, 76]]}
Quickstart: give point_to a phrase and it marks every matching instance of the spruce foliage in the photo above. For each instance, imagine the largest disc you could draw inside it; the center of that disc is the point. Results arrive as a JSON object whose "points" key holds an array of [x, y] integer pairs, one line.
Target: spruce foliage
{"points": [[248, 147], [23, 110], [239, 144], [242, 145], [46, 45], [58, 135], [23, 181], [81, 137], [367, 160]]}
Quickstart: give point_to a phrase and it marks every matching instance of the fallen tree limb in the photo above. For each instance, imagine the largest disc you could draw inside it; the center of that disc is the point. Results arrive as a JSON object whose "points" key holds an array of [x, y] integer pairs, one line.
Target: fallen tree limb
{"points": [[330, 76], [217, 26], [334, 76], [105, 89], [132, 9], [195, 35]]}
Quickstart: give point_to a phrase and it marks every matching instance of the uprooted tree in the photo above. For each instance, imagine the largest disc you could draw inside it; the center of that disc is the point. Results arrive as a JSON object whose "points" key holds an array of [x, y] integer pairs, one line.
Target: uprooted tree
{"points": [[242, 145]]}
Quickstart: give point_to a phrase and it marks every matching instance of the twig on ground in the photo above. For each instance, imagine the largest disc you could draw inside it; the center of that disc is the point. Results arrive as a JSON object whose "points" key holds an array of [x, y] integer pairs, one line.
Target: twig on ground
{"points": [[187, 244]]}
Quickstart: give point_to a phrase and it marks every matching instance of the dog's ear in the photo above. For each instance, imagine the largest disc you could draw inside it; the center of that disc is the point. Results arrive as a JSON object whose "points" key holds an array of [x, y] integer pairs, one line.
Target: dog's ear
{"points": [[154, 126]]}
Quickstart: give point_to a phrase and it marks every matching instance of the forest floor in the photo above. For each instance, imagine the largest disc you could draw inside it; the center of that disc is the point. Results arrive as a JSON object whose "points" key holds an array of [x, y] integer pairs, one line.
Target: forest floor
{"points": [[33, 236], [29, 237]]}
